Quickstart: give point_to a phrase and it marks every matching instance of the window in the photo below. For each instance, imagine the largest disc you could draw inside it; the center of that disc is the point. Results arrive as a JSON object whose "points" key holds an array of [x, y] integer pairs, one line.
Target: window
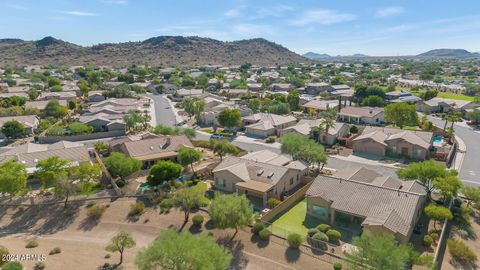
{"points": [[291, 181]]}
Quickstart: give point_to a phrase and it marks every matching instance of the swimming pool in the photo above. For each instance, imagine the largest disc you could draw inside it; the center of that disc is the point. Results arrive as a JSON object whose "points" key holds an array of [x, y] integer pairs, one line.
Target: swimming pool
{"points": [[437, 140]]}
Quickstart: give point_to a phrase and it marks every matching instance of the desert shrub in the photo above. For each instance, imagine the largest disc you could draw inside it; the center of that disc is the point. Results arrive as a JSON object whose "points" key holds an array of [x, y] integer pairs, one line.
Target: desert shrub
{"points": [[461, 252], [136, 208], [323, 227], [55, 250], [96, 212], [294, 240], [197, 220], [32, 244], [12, 266], [177, 184], [337, 266], [3, 253], [257, 227], [434, 236], [272, 202], [333, 235], [264, 234], [270, 139], [120, 183], [353, 129], [90, 204], [39, 266], [166, 204], [311, 232], [319, 240], [427, 241]]}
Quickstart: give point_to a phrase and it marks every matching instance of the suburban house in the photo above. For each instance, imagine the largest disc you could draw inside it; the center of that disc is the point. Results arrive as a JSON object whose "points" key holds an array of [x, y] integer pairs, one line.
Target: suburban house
{"points": [[382, 141], [103, 122], [95, 96], [255, 87], [118, 106], [62, 95], [30, 153], [260, 175], [441, 105], [40, 104], [316, 88], [320, 105], [364, 199], [153, 149], [266, 124], [30, 123], [306, 127], [362, 115], [282, 87], [233, 93], [401, 96], [184, 93]]}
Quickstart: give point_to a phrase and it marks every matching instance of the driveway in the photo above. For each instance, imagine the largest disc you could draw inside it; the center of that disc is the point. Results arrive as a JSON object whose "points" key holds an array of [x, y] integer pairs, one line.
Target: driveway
{"points": [[164, 114], [470, 169]]}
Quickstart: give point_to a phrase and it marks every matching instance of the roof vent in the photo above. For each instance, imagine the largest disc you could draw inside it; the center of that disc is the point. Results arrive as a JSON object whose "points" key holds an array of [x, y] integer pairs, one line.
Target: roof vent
{"points": [[35, 160], [260, 172], [270, 175], [23, 161], [151, 148]]}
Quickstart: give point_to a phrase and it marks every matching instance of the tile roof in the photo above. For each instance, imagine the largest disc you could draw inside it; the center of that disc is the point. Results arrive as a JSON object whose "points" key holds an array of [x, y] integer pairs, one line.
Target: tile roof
{"points": [[381, 134], [274, 119], [157, 145], [361, 111]]}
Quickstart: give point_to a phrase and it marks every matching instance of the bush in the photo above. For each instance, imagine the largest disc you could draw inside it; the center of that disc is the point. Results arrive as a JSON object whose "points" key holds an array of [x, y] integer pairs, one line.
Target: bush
{"points": [[337, 266], [90, 204], [461, 252], [96, 212], [166, 204], [294, 240], [136, 208], [264, 234], [434, 236], [272, 202], [427, 241], [333, 235], [257, 227], [270, 139], [311, 232], [3, 253], [353, 129], [56, 250], [120, 183], [323, 227], [197, 220], [319, 240], [39, 266], [12, 266], [32, 244]]}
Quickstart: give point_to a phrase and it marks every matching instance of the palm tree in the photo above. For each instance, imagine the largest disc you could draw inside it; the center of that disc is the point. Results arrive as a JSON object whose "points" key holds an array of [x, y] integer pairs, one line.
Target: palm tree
{"points": [[329, 119], [320, 129], [445, 118]]}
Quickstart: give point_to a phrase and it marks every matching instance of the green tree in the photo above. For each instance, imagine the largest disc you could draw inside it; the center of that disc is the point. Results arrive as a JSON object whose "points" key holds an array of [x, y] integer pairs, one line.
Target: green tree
{"points": [[172, 250], [50, 170], [133, 120], [164, 170], [425, 172], [13, 265], [223, 147], [43, 125], [472, 194], [52, 81], [290, 144], [474, 116], [337, 80], [230, 118], [119, 243], [438, 213], [188, 199], [77, 128], [87, 175], [55, 110], [13, 177], [188, 156], [373, 101], [401, 114], [120, 165], [72, 104], [254, 104], [293, 99], [194, 107], [279, 108], [329, 117], [56, 88], [379, 252], [230, 211], [448, 185], [13, 129]]}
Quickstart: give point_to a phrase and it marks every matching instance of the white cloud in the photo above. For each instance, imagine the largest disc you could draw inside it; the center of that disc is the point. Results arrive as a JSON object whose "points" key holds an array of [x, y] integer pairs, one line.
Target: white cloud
{"points": [[116, 2], [80, 13], [232, 13], [274, 11], [322, 16], [252, 30], [389, 11]]}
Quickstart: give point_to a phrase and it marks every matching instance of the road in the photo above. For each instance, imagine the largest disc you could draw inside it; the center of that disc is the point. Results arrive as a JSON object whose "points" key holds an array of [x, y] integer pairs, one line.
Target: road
{"points": [[164, 114], [470, 169]]}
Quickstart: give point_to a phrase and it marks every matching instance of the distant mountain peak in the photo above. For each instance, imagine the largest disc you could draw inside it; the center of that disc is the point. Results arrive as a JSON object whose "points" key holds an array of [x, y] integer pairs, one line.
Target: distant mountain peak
{"points": [[312, 55], [47, 41], [448, 53]]}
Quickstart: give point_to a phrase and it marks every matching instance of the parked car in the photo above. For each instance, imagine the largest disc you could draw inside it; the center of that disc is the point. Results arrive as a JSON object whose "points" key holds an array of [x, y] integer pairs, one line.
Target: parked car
{"points": [[217, 136]]}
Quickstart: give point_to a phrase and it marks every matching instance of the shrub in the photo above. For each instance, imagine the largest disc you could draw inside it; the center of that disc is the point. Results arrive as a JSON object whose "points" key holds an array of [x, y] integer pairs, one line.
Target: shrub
{"points": [[427, 241], [39, 266], [270, 139], [32, 244], [337, 266], [96, 212], [90, 204], [55, 250], [12, 266], [120, 183], [3, 253], [311, 232], [294, 240], [257, 227], [166, 204], [323, 227], [333, 235], [136, 208], [264, 234], [319, 240], [197, 220], [353, 129], [461, 252], [272, 202], [434, 236]]}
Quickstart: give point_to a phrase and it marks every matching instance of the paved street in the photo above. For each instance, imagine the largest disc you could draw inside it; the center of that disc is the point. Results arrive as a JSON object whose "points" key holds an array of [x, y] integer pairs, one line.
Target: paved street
{"points": [[164, 114], [470, 170]]}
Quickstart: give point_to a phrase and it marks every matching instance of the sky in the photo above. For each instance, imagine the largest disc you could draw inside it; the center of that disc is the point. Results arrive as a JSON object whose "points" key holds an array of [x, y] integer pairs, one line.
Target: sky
{"points": [[373, 27]]}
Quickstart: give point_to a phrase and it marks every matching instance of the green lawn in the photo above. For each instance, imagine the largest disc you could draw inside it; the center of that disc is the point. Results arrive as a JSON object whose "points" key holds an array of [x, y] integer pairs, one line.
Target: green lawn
{"points": [[295, 220], [448, 95]]}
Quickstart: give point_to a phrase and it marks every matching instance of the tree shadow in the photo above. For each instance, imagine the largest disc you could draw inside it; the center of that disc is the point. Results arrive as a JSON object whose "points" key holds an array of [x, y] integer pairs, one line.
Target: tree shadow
{"points": [[260, 242], [195, 229], [88, 223], [292, 254], [60, 218], [463, 265], [236, 247], [209, 225]]}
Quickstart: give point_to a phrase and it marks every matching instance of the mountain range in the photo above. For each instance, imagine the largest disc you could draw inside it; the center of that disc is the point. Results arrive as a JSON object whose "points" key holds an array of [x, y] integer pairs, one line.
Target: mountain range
{"points": [[163, 50], [436, 53]]}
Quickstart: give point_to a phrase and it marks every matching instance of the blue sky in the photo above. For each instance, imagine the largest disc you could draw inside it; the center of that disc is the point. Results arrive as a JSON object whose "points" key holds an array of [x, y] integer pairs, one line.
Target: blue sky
{"points": [[372, 27]]}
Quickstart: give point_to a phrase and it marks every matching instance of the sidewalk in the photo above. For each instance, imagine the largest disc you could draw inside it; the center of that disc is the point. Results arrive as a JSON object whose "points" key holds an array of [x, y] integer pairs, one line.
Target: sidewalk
{"points": [[460, 154]]}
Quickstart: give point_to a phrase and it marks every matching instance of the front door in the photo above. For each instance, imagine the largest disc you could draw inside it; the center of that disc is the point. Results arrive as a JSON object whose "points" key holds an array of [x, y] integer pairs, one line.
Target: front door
{"points": [[404, 151]]}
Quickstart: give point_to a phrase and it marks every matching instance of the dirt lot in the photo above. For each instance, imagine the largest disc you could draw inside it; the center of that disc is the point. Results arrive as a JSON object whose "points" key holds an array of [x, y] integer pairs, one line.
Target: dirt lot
{"points": [[83, 242]]}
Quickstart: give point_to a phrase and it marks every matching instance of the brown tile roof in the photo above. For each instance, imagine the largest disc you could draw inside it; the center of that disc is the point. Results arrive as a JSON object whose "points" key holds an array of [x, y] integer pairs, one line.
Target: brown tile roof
{"points": [[154, 146]]}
